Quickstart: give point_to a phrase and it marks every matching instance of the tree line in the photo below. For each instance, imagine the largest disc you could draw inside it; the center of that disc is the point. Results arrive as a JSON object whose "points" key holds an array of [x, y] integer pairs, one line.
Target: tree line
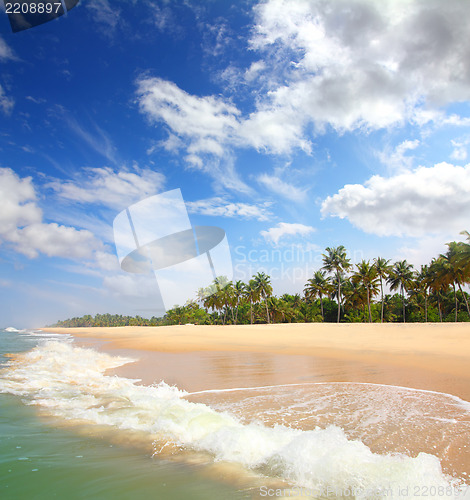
{"points": [[338, 291]]}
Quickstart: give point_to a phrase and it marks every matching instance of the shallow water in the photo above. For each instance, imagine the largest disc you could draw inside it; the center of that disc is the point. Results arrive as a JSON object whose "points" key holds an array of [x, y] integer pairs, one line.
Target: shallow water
{"points": [[41, 458], [360, 440]]}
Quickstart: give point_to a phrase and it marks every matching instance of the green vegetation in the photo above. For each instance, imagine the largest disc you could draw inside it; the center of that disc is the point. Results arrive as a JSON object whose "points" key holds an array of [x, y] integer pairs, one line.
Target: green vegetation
{"points": [[337, 292]]}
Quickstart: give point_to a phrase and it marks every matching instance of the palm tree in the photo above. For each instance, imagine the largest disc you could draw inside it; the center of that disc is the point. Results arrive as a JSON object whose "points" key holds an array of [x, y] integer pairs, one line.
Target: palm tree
{"points": [[366, 275], [400, 277], [355, 296], [212, 299], [264, 288], [336, 263], [438, 282], [226, 297], [251, 293], [317, 286], [383, 270], [238, 290], [456, 258], [462, 257], [423, 279]]}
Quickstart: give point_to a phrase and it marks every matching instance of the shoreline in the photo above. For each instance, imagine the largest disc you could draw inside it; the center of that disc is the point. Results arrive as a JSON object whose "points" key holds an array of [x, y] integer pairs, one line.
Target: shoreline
{"points": [[432, 356]]}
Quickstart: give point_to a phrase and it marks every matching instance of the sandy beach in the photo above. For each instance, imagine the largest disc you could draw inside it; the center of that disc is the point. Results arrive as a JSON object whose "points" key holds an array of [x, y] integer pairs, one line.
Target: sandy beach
{"points": [[429, 356], [389, 402]]}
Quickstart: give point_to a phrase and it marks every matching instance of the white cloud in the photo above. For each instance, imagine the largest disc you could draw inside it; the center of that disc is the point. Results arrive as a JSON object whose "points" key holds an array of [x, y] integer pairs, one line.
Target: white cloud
{"points": [[252, 72], [54, 240], [5, 51], [207, 122], [142, 286], [36, 100], [18, 202], [282, 188], [21, 224], [105, 261], [6, 103], [222, 208], [411, 55], [415, 203], [282, 229], [313, 73], [460, 149], [205, 126], [104, 186], [423, 250], [397, 159], [105, 15], [275, 129]]}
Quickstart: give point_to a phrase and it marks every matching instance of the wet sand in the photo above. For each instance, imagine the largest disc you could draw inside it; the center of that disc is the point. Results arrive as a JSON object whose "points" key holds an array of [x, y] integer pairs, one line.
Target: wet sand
{"points": [[429, 356]]}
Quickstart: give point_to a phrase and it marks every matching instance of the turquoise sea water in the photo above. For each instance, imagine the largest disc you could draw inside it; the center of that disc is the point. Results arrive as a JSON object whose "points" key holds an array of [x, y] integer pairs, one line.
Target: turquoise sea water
{"points": [[68, 430], [39, 460]]}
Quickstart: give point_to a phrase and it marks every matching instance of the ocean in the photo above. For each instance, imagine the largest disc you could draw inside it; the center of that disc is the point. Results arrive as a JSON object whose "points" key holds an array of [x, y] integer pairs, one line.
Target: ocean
{"points": [[68, 429]]}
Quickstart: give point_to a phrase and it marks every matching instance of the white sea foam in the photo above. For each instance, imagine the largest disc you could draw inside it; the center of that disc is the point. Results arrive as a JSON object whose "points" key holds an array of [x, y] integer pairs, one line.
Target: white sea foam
{"points": [[69, 382]]}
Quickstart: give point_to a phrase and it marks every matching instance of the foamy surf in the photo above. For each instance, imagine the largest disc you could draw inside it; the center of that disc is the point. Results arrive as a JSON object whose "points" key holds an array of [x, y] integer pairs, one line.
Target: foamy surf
{"points": [[70, 383]]}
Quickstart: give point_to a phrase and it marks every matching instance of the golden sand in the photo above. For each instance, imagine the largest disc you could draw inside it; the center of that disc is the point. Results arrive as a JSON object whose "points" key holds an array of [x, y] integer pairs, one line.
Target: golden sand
{"points": [[432, 356]]}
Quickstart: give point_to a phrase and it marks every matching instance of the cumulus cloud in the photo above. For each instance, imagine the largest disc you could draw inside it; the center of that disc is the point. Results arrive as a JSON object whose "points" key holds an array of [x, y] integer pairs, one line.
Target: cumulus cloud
{"points": [[205, 126], [409, 55], [313, 72], [104, 186], [222, 208], [422, 201], [18, 202], [206, 122], [21, 224], [54, 240], [283, 229]]}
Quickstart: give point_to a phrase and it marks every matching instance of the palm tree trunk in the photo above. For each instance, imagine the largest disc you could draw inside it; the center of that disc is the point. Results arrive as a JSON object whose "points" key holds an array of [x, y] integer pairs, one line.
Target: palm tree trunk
{"points": [[464, 297], [382, 300], [439, 306], [321, 307], [251, 311], [368, 306], [456, 303], [425, 307], [267, 311], [339, 299], [403, 301]]}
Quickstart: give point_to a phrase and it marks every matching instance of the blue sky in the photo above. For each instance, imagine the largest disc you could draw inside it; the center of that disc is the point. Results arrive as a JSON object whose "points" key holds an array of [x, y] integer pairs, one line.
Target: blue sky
{"points": [[292, 124]]}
